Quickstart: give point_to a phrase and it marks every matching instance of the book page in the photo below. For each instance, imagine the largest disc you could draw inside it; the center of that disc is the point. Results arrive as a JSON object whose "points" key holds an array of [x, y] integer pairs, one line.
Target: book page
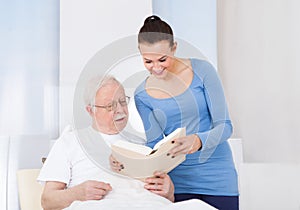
{"points": [[175, 134], [144, 150], [139, 165]]}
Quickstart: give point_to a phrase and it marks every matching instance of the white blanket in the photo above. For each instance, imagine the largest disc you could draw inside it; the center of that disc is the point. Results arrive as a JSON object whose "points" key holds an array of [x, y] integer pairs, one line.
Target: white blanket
{"points": [[109, 204]]}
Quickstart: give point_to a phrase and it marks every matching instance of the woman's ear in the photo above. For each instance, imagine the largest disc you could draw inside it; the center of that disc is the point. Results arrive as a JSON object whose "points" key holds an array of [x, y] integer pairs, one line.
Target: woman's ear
{"points": [[174, 47]]}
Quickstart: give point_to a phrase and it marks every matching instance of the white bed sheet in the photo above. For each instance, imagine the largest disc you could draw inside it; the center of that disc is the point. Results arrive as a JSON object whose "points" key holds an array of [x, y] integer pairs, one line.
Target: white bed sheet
{"points": [[109, 204]]}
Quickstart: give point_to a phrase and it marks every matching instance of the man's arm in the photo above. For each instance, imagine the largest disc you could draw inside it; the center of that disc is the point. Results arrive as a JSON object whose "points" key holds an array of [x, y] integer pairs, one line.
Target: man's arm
{"points": [[56, 197]]}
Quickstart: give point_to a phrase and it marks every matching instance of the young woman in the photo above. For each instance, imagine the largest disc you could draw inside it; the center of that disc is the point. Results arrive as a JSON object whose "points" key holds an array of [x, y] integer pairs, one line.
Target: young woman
{"points": [[187, 92]]}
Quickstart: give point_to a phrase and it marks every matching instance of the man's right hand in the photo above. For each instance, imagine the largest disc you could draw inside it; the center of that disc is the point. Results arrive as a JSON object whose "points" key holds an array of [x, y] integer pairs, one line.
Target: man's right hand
{"points": [[91, 190]]}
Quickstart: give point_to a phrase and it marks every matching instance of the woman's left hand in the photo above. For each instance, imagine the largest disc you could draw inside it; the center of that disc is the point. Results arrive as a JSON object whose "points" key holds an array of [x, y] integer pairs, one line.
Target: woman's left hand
{"points": [[186, 145]]}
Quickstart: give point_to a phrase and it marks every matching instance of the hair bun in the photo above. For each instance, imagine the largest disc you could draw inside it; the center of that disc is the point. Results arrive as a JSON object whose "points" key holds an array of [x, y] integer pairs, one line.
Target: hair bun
{"points": [[151, 18]]}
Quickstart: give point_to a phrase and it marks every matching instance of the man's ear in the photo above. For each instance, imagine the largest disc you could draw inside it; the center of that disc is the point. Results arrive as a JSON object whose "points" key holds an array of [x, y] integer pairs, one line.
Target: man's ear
{"points": [[90, 110]]}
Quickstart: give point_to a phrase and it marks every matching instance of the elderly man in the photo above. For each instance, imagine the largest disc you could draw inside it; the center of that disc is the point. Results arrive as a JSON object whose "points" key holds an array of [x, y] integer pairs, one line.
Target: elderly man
{"points": [[73, 173]]}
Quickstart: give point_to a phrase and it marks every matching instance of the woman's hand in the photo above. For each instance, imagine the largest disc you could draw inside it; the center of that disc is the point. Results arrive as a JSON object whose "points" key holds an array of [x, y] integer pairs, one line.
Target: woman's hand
{"points": [[186, 145], [115, 165], [161, 184]]}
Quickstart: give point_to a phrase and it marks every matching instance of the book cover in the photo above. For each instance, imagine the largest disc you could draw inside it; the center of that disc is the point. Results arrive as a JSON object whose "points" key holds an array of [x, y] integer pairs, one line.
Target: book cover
{"points": [[140, 161]]}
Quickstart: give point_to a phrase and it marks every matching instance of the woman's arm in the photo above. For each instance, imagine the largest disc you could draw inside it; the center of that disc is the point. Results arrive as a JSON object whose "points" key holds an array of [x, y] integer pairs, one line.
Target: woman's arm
{"points": [[221, 128]]}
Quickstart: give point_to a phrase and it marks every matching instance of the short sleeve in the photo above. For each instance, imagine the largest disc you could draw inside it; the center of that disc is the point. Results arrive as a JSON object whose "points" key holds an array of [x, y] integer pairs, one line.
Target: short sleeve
{"points": [[57, 166]]}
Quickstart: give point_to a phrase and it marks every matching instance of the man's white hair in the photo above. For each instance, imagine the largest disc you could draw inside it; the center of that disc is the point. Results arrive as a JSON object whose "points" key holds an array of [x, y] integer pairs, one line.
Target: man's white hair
{"points": [[94, 85]]}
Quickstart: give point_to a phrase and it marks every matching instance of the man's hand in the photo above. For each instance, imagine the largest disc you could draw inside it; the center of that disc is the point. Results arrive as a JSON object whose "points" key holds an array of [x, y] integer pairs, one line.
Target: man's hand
{"points": [[91, 190], [55, 195], [161, 184]]}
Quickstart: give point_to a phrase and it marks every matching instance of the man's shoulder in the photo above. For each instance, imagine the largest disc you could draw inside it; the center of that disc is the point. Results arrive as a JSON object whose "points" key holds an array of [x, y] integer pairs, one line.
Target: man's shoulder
{"points": [[70, 136]]}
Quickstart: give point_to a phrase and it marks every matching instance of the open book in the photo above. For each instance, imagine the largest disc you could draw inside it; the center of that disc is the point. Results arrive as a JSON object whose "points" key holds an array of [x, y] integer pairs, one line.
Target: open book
{"points": [[140, 161]]}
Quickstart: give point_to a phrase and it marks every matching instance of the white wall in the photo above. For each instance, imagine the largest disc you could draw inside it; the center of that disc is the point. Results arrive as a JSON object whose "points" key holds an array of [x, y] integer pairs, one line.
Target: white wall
{"points": [[86, 27], [259, 49], [92, 34]]}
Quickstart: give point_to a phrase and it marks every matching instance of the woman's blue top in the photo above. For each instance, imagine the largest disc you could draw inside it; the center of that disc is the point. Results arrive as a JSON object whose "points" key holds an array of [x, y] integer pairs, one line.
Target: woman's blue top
{"points": [[202, 109]]}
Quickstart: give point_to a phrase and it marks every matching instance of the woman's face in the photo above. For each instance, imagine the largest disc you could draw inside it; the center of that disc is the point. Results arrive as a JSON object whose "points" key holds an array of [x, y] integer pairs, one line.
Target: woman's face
{"points": [[158, 58]]}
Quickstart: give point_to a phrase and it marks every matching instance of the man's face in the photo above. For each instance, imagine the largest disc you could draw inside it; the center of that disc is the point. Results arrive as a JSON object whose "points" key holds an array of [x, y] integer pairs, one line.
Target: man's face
{"points": [[111, 120]]}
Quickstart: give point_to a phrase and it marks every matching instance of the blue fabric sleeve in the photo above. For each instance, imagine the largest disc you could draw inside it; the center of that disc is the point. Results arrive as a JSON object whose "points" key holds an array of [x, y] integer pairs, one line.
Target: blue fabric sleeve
{"points": [[221, 128]]}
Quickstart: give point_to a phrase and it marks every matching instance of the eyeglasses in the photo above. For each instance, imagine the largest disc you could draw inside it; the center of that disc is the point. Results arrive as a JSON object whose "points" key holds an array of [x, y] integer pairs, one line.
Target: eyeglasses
{"points": [[124, 101]]}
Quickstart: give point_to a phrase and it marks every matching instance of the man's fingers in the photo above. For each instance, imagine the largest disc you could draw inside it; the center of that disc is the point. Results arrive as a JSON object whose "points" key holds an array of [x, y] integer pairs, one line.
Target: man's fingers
{"points": [[154, 186], [97, 194], [94, 190], [97, 197], [160, 174], [104, 186], [101, 185], [153, 180], [157, 182]]}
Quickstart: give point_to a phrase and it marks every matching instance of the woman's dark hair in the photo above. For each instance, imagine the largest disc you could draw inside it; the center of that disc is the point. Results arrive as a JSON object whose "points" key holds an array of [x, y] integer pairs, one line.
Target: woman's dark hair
{"points": [[155, 30]]}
